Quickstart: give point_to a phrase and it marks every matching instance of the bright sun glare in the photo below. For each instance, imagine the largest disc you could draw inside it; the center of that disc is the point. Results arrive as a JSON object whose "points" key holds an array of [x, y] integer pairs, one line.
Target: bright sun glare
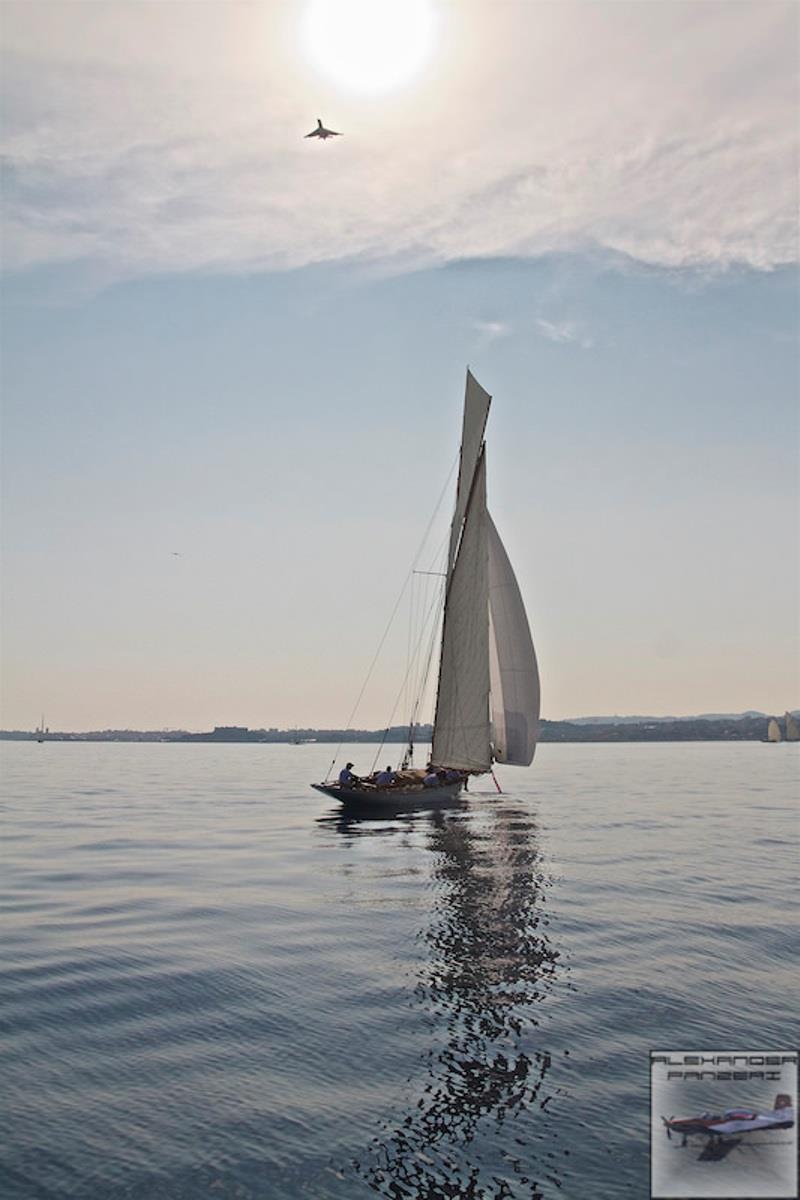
{"points": [[369, 45]]}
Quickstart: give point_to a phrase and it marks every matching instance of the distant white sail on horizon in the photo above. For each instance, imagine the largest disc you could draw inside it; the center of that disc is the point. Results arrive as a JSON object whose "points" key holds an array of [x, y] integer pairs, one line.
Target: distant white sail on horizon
{"points": [[514, 673], [773, 731], [792, 728]]}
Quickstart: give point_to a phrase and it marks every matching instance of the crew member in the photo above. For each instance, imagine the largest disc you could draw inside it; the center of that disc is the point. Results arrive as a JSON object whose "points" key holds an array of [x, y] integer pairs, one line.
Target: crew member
{"points": [[346, 776]]}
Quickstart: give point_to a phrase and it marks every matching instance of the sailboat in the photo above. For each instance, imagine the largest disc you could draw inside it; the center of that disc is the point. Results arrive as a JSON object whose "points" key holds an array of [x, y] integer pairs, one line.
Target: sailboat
{"points": [[487, 699], [792, 728], [40, 732], [773, 731]]}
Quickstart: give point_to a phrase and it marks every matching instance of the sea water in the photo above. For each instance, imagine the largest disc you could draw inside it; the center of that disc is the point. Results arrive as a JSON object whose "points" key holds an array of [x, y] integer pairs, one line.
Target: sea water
{"points": [[215, 982]]}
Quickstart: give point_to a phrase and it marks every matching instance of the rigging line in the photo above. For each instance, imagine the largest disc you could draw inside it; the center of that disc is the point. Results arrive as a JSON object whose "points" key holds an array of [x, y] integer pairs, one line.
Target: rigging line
{"points": [[431, 609], [422, 666], [424, 681], [413, 662], [410, 633], [423, 589], [433, 606], [409, 576], [421, 594]]}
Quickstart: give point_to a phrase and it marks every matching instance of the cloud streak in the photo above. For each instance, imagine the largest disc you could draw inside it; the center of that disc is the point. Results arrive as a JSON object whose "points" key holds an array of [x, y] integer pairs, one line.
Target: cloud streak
{"points": [[564, 331], [492, 331], [156, 140]]}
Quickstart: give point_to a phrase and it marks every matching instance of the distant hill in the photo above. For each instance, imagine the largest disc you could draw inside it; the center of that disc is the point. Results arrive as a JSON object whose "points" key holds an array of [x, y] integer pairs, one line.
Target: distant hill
{"points": [[729, 727], [640, 720], [663, 729]]}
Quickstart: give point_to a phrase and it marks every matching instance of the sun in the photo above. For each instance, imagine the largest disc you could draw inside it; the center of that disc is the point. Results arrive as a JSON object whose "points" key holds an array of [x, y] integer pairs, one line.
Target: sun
{"points": [[369, 45]]}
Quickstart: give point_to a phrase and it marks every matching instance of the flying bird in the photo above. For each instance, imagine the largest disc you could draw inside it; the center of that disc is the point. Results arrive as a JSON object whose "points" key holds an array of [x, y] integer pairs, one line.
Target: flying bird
{"points": [[322, 132]]}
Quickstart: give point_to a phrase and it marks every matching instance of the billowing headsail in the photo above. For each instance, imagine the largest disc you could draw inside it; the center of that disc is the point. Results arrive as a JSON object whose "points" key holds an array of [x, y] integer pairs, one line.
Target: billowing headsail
{"points": [[514, 674], [792, 728], [461, 735], [773, 731]]}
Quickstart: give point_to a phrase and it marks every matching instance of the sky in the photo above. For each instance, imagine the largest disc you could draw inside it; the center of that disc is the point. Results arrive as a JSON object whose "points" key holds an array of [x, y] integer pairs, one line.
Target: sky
{"points": [[222, 339]]}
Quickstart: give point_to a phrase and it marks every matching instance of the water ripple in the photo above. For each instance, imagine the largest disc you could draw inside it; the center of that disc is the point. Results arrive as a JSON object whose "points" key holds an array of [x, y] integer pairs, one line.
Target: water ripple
{"points": [[215, 981]]}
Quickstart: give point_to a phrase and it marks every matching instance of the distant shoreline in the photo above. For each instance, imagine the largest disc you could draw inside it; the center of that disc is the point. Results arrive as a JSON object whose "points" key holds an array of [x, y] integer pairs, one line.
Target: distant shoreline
{"points": [[745, 728]]}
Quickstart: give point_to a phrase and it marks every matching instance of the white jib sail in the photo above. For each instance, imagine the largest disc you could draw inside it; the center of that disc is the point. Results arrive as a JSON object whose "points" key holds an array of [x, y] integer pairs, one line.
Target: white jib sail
{"points": [[514, 675], [774, 731], [461, 734], [476, 411], [792, 728]]}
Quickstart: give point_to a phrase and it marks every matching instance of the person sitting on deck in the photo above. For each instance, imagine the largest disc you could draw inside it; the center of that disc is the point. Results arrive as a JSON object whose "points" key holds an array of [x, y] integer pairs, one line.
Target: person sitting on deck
{"points": [[385, 778], [346, 776], [431, 779], [453, 776]]}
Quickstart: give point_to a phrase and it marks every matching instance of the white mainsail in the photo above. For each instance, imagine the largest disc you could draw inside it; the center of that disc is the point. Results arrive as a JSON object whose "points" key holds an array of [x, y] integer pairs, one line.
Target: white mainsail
{"points": [[461, 734], [514, 674], [487, 703], [792, 728], [773, 731], [476, 410]]}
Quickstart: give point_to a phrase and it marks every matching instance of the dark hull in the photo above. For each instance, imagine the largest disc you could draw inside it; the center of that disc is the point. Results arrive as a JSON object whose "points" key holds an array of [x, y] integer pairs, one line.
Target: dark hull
{"points": [[391, 798]]}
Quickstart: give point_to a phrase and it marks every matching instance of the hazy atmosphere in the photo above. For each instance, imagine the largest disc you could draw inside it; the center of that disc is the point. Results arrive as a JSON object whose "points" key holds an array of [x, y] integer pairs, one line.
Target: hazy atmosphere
{"points": [[386, 386], [233, 358]]}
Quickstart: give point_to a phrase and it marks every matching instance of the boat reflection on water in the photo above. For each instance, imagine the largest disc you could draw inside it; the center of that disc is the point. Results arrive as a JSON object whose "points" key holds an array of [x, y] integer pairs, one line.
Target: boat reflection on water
{"points": [[357, 818], [469, 1128]]}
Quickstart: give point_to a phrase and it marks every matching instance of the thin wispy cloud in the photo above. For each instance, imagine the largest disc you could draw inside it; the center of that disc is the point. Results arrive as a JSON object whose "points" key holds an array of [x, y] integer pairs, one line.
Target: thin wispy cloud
{"points": [[564, 331], [491, 331], [158, 138]]}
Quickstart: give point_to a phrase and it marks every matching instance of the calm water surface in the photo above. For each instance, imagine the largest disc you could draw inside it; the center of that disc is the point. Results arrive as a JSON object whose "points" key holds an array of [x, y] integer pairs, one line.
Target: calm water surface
{"points": [[216, 983]]}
